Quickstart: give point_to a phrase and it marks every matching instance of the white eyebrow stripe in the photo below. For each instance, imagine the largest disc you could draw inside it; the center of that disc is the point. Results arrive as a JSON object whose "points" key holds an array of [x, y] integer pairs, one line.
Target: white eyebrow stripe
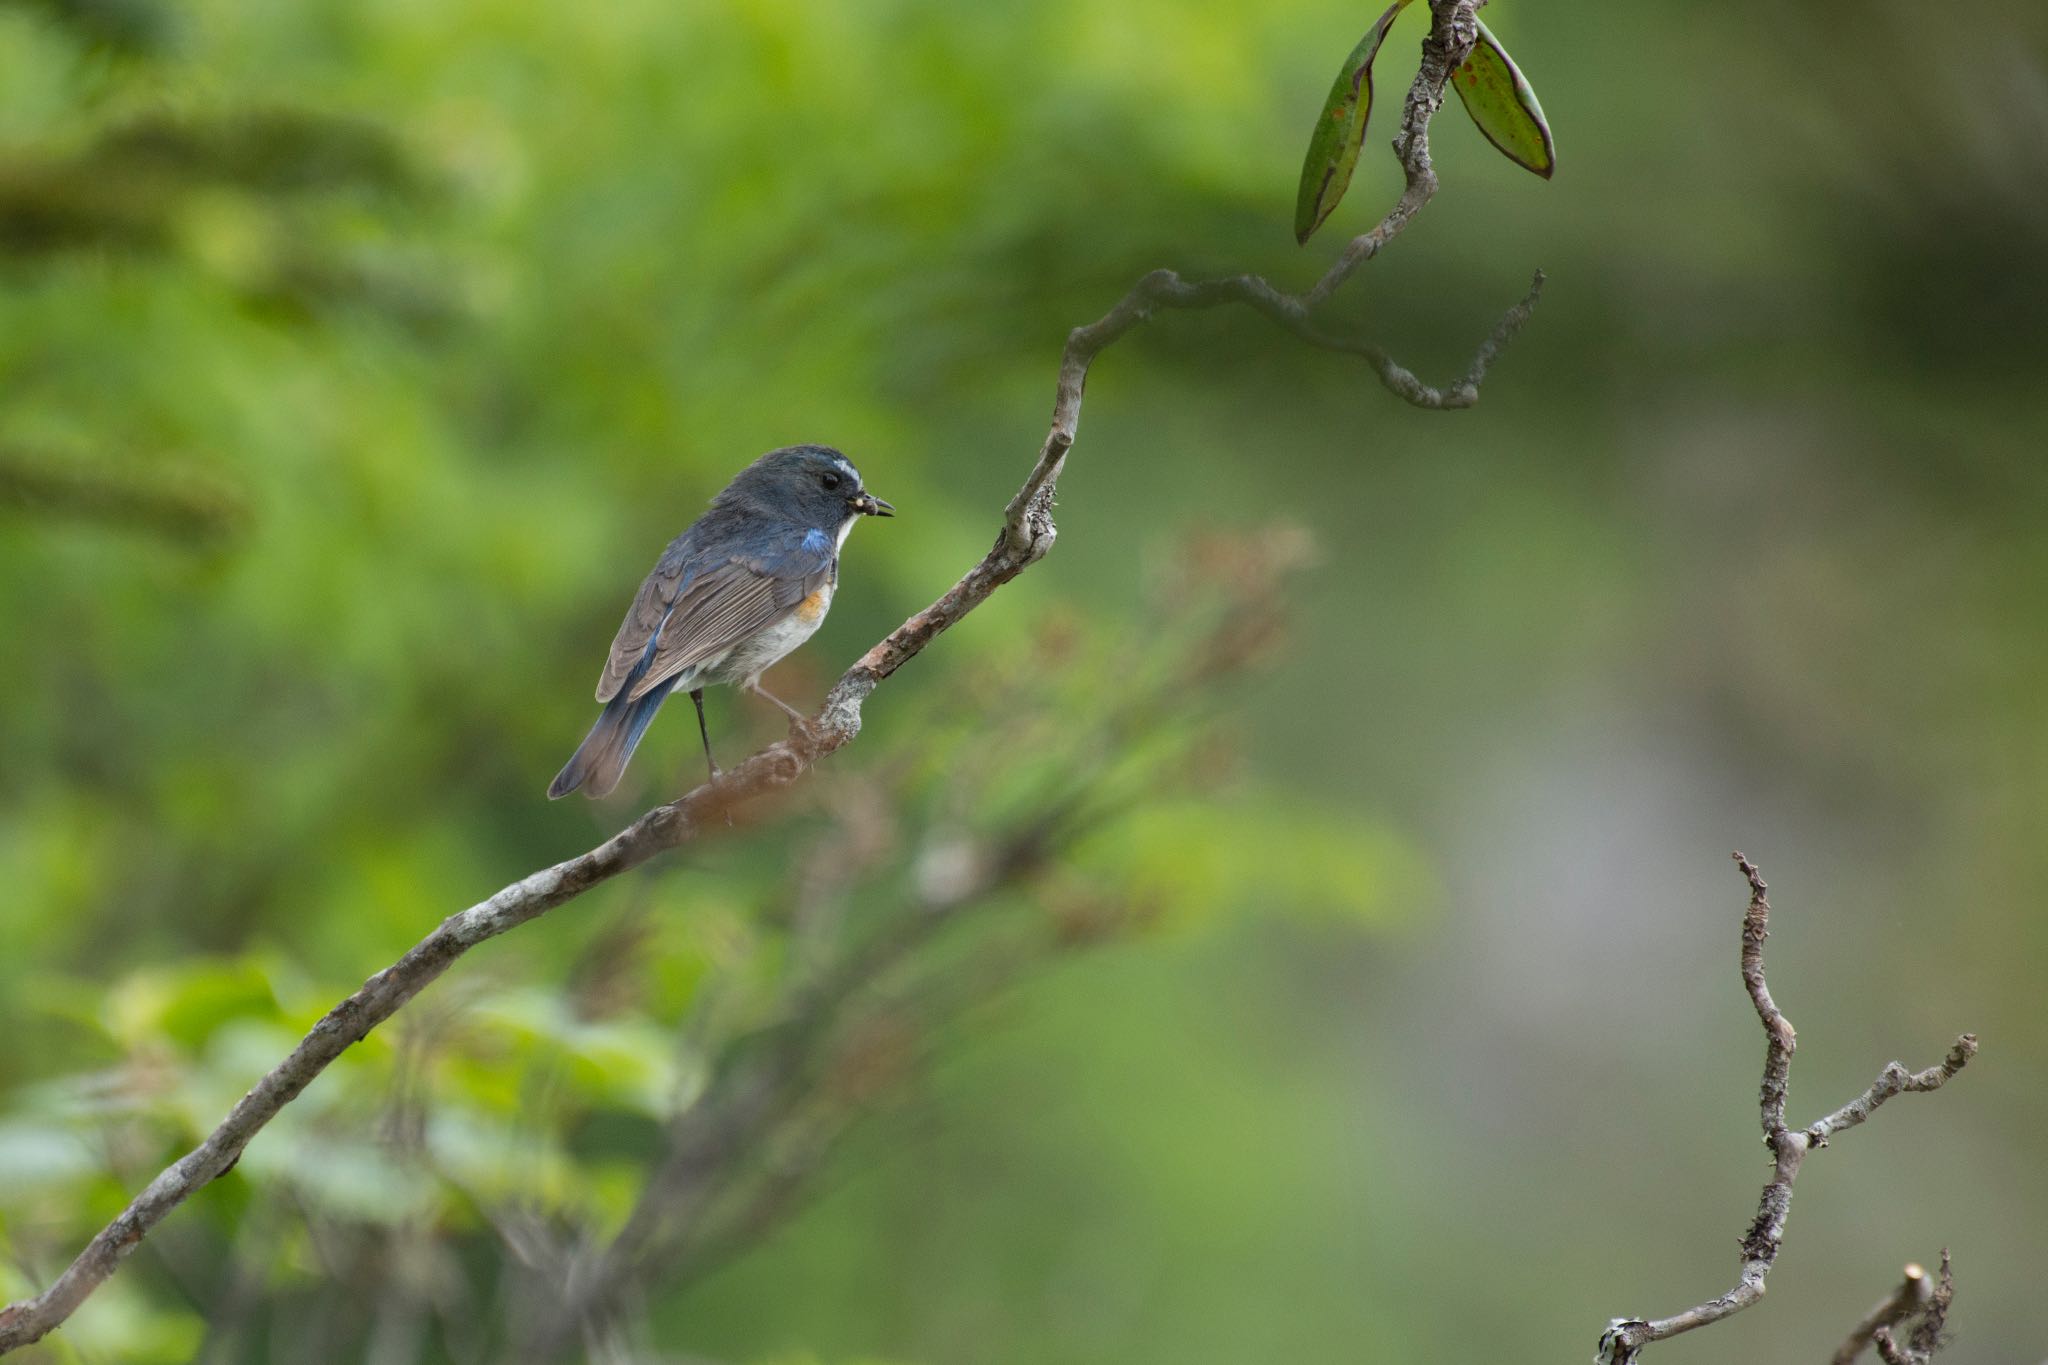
{"points": [[848, 470]]}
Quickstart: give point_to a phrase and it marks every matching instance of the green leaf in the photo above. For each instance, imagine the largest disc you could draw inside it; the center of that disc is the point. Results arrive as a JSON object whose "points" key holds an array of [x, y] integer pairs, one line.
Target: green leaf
{"points": [[1504, 106], [1340, 131]]}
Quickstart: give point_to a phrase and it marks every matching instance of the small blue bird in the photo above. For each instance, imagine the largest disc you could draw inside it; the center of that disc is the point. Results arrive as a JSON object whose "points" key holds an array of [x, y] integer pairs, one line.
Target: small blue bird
{"points": [[747, 583]]}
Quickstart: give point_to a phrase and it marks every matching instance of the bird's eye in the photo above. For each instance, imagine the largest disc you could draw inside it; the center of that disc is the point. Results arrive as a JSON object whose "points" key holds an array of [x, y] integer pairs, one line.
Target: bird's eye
{"points": [[829, 479]]}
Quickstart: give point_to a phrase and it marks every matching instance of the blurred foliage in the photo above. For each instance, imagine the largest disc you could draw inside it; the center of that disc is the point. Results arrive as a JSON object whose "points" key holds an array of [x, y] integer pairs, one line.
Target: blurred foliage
{"points": [[499, 1130], [130, 26], [359, 359]]}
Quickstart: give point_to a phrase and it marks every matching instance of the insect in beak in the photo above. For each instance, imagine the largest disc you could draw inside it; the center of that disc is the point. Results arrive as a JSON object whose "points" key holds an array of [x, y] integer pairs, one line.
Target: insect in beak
{"points": [[868, 505]]}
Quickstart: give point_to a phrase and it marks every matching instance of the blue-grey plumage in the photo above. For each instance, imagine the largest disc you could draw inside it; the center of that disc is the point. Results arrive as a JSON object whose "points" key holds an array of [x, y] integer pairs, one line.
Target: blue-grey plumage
{"points": [[748, 582]]}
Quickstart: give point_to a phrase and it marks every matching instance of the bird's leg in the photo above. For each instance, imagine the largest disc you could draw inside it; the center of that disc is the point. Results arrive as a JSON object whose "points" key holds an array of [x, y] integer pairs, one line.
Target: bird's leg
{"points": [[697, 696], [796, 718]]}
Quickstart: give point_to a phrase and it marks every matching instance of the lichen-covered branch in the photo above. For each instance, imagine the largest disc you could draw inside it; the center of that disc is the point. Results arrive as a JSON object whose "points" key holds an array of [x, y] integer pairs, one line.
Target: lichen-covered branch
{"points": [[1623, 1341], [1914, 1296], [1929, 1315], [1027, 536]]}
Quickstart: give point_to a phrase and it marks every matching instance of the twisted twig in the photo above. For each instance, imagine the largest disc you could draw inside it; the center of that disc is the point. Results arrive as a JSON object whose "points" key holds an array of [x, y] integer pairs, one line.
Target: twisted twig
{"points": [[1912, 1297], [1625, 1338]]}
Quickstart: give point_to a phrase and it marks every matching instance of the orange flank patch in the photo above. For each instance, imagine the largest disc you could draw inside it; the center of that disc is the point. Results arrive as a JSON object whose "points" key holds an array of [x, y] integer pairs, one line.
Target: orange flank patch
{"points": [[812, 607]]}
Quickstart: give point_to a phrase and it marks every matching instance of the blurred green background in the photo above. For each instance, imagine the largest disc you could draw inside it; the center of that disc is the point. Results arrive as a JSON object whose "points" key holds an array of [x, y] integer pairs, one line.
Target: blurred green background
{"points": [[358, 358]]}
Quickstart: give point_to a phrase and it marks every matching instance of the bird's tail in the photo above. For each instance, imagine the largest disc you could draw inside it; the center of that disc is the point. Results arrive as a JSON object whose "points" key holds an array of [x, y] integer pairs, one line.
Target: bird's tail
{"points": [[601, 758]]}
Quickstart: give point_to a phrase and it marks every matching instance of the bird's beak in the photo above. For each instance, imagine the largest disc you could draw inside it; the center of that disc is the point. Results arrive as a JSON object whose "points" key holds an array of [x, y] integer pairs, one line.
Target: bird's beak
{"points": [[868, 505]]}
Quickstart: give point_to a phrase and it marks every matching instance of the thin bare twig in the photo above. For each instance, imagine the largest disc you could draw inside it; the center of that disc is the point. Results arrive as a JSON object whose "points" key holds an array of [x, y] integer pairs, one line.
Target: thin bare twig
{"points": [[1623, 1341], [1027, 536], [1911, 1296], [1926, 1337], [1453, 29]]}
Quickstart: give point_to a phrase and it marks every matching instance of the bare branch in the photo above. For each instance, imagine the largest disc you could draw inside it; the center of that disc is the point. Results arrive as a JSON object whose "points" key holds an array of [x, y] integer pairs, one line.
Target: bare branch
{"points": [[1889, 1349], [1893, 1080], [1027, 536], [1926, 1337], [1911, 1296], [1623, 1341], [1780, 1038]]}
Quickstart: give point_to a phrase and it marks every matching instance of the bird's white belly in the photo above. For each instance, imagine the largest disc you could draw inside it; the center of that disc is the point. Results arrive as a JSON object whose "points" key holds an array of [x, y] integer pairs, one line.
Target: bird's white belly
{"points": [[749, 659]]}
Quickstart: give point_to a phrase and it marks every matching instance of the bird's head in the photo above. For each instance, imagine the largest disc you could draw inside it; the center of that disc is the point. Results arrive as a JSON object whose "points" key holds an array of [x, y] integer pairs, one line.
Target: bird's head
{"points": [[811, 485]]}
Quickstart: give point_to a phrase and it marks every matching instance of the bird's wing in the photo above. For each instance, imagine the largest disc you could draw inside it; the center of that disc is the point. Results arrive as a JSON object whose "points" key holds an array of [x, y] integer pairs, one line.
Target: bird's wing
{"points": [[638, 633], [723, 604]]}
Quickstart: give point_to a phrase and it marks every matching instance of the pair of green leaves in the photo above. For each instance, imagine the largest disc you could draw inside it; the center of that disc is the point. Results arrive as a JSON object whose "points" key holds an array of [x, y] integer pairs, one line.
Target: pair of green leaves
{"points": [[1493, 91]]}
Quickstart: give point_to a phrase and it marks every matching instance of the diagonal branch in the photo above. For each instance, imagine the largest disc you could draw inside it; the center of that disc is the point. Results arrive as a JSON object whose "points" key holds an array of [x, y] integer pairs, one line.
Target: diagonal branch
{"points": [[1623, 1341], [1027, 536]]}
